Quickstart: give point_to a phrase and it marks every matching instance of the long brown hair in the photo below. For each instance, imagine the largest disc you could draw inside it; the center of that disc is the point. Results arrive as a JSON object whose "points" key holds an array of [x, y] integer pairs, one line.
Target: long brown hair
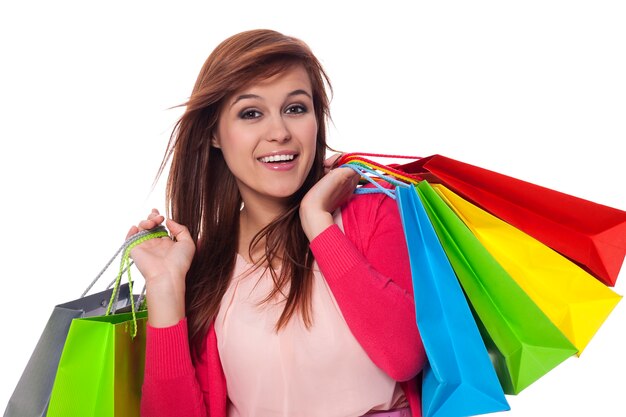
{"points": [[202, 194]]}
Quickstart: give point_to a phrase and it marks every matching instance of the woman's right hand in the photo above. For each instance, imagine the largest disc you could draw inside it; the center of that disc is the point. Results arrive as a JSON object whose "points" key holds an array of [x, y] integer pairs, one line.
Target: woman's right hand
{"points": [[164, 263]]}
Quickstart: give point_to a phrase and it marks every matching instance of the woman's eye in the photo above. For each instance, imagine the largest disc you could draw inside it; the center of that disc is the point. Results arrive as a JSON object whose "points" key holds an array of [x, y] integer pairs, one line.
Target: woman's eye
{"points": [[250, 114], [296, 109]]}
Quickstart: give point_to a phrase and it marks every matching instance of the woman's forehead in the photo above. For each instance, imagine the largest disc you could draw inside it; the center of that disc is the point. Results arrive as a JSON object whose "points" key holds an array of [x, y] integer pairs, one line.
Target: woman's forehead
{"points": [[292, 77]]}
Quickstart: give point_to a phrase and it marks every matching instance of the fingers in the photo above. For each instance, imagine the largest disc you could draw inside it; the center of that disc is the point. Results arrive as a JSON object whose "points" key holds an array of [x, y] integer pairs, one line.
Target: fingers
{"points": [[178, 232], [154, 219], [348, 175], [133, 230], [330, 162], [350, 180]]}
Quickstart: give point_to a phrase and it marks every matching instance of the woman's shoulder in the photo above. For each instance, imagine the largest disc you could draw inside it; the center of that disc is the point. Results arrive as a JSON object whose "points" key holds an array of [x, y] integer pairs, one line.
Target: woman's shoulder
{"points": [[371, 203], [365, 211]]}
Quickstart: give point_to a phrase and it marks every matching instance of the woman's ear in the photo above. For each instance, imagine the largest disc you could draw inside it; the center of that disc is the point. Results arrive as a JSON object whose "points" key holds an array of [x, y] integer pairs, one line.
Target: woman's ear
{"points": [[215, 142]]}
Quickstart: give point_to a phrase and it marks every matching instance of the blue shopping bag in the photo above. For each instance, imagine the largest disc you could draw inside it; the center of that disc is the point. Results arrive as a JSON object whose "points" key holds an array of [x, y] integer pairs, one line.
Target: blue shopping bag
{"points": [[459, 379]]}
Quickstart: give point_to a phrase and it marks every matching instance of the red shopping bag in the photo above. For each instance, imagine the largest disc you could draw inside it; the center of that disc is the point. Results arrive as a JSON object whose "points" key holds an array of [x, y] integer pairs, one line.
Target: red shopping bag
{"points": [[590, 234]]}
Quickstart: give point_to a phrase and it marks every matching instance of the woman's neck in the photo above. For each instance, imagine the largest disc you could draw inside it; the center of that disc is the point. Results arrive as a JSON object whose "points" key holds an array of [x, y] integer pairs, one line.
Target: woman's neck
{"points": [[252, 219]]}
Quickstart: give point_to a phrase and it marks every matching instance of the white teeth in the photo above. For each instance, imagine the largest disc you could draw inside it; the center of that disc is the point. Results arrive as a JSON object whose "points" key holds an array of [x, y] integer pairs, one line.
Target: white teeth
{"points": [[277, 158]]}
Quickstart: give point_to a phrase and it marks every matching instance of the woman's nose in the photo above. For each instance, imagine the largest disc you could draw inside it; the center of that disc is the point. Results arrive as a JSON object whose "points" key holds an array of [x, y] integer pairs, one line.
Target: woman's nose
{"points": [[278, 129]]}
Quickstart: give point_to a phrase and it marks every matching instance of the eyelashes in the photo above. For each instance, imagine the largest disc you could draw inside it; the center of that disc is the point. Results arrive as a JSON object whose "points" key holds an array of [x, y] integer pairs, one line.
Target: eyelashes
{"points": [[252, 113], [296, 109], [248, 114]]}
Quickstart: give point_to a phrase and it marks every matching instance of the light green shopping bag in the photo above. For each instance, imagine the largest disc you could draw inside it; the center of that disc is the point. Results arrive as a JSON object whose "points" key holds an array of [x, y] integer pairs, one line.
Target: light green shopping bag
{"points": [[523, 342], [100, 372], [101, 368]]}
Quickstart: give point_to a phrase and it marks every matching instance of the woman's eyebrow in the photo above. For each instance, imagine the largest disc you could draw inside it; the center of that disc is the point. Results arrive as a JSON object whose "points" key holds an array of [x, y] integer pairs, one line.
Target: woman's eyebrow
{"points": [[299, 92], [243, 97], [254, 96]]}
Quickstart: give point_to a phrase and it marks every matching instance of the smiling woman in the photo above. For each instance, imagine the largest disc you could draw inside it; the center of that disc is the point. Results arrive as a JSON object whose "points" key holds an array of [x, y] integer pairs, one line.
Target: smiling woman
{"points": [[88, 98], [277, 295], [267, 136]]}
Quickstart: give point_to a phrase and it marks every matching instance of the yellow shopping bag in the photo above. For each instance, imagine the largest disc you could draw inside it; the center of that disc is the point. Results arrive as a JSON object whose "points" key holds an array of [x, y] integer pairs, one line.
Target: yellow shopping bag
{"points": [[574, 300]]}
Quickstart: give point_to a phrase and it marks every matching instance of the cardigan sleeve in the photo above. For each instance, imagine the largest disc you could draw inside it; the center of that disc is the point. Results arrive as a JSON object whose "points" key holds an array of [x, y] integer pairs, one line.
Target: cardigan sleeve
{"points": [[368, 271], [171, 387]]}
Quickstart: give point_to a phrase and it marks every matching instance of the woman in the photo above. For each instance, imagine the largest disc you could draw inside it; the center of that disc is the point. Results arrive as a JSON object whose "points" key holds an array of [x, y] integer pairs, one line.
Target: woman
{"points": [[279, 294]]}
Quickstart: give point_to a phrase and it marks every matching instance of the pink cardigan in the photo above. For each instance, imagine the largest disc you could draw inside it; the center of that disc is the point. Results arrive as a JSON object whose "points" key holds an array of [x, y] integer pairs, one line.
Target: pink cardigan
{"points": [[371, 282]]}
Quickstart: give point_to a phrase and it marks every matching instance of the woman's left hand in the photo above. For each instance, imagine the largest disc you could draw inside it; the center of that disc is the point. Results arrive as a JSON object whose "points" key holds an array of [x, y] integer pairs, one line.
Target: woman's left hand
{"points": [[330, 192]]}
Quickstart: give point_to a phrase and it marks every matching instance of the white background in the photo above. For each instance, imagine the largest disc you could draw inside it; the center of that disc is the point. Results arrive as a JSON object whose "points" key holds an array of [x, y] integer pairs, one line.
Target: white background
{"points": [[533, 89]]}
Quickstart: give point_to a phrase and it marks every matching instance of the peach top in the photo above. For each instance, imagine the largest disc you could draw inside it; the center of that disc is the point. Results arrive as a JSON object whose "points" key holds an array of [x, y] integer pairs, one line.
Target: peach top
{"points": [[319, 371]]}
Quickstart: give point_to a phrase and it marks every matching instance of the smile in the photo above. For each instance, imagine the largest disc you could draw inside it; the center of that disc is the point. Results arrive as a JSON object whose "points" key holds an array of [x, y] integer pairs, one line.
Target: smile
{"points": [[277, 158]]}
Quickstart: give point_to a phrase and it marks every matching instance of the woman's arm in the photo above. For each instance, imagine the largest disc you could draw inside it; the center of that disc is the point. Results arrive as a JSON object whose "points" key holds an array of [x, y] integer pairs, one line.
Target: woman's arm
{"points": [[368, 270], [170, 386], [164, 264]]}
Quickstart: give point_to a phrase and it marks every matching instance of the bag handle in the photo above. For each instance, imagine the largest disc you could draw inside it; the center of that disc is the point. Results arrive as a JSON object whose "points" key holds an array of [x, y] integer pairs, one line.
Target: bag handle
{"points": [[377, 155], [363, 170], [125, 264], [128, 241], [390, 170]]}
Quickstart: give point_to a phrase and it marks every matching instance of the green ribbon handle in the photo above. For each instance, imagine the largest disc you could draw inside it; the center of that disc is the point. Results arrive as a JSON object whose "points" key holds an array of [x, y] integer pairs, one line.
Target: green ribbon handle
{"points": [[125, 265]]}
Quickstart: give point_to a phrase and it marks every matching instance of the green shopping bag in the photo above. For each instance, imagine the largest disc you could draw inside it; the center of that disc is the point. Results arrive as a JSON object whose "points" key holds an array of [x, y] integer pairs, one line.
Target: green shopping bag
{"points": [[523, 343], [101, 368]]}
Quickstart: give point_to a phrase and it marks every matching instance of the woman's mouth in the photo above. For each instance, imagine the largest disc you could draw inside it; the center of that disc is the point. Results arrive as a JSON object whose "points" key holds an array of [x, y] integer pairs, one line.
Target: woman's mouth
{"points": [[279, 162], [272, 159]]}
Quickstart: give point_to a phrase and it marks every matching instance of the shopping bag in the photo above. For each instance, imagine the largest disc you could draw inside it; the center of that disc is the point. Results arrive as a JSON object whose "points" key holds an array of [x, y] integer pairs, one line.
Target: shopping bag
{"points": [[591, 234], [574, 301], [523, 342], [458, 379], [32, 392], [100, 371], [101, 368]]}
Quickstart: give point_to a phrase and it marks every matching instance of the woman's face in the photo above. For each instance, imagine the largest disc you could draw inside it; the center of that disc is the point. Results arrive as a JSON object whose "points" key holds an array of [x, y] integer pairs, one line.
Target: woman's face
{"points": [[267, 133]]}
